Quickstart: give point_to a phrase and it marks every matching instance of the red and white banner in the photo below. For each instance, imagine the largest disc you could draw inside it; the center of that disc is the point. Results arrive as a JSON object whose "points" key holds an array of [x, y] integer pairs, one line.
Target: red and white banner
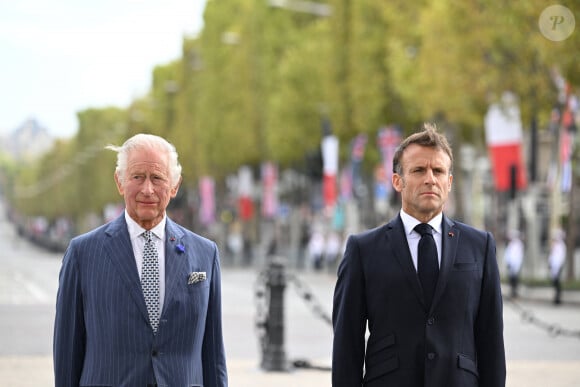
{"points": [[269, 188], [329, 147], [567, 131], [503, 133], [207, 198], [245, 189]]}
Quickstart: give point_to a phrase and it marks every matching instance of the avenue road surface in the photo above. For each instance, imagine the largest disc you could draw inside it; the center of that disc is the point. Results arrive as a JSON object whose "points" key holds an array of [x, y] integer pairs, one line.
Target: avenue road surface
{"points": [[29, 281]]}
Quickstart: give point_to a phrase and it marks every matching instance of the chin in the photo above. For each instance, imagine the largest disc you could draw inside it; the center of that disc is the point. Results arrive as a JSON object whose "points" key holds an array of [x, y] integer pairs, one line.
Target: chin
{"points": [[148, 216]]}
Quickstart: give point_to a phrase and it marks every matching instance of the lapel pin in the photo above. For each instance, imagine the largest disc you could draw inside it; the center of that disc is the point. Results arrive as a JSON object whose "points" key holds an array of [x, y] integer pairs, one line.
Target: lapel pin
{"points": [[450, 234], [180, 248], [172, 239]]}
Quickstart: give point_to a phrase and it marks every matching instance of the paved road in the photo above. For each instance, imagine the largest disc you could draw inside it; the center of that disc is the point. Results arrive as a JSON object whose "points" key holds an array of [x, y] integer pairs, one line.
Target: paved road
{"points": [[28, 284]]}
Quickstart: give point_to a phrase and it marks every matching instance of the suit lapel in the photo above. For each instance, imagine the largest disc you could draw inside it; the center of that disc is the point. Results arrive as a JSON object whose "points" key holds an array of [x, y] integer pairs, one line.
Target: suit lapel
{"points": [[175, 260], [449, 241], [120, 252], [397, 239]]}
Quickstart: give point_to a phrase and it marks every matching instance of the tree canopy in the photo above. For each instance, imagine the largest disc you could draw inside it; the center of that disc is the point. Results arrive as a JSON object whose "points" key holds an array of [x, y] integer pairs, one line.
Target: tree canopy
{"points": [[258, 81]]}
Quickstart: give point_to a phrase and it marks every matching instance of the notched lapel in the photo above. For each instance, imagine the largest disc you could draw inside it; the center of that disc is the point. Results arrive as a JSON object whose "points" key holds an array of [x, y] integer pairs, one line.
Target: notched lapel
{"points": [[120, 252], [449, 241], [175, 261], [397, 239]]}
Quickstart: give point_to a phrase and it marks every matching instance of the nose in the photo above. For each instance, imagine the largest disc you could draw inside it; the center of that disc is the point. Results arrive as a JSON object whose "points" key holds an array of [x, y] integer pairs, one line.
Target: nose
{"points": [[147, 187], [430, 177]]}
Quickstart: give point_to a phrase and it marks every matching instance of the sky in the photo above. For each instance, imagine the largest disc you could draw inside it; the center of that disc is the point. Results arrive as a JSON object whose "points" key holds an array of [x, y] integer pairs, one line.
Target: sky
{"points": [[60, 57]]}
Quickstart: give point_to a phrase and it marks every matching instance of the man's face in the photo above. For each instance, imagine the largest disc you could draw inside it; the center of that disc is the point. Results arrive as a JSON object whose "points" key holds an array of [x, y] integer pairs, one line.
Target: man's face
{"points": [[146, 186], [425, 181]]}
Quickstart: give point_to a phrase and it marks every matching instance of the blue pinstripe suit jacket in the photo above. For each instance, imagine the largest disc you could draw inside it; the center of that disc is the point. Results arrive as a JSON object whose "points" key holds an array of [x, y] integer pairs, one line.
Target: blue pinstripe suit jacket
{"points": [[102, 335]]}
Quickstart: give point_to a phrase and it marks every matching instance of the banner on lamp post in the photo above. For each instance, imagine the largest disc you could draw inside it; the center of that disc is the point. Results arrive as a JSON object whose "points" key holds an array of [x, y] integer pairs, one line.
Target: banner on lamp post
{"points": [[245, 186], [357, 153], [503, 133], [388, 139], [269, 187], [329, 147], [207, 198]]}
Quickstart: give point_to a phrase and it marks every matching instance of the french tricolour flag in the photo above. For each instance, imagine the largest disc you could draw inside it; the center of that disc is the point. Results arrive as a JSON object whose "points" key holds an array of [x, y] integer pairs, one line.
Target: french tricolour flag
{"points": [[503, 134]]}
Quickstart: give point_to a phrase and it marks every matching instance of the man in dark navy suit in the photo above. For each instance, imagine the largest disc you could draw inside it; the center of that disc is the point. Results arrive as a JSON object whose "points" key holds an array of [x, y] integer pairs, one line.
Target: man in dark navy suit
{"points": [[139, 299], [430, 322]]}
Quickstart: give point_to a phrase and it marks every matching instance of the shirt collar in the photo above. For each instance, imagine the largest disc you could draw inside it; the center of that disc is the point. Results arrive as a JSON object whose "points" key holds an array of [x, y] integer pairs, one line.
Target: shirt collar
{"points": [[135, 230], [410, 222]]}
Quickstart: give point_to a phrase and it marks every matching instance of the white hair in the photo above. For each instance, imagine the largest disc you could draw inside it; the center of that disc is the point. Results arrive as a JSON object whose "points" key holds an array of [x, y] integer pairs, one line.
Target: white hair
{"points": [[150, 141]]}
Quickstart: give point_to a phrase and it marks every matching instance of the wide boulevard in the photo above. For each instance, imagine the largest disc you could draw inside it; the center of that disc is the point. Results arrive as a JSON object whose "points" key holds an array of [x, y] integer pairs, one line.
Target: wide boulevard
{"points": [[542, 341]]}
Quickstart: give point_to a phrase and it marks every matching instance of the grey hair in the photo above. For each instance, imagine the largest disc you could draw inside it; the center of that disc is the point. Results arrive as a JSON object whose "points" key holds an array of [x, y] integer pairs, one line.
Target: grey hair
{"points": [[149, 141]]}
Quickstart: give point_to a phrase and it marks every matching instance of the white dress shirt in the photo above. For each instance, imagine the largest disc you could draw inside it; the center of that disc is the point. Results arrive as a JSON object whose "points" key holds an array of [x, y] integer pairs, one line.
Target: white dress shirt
{"points": [[138, 243], [413, 236]]}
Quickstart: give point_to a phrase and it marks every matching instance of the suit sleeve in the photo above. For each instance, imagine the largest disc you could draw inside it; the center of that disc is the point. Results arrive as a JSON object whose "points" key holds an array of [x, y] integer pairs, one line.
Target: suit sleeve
{"points": [[213, 353], [349, 320], [489, 324], [69, 327]]}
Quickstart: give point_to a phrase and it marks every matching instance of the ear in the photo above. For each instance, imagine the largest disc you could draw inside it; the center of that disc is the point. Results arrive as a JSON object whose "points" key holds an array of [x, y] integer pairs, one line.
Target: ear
{"points": [[450, 181], [175, 188], [119, 185], [398, 182]]}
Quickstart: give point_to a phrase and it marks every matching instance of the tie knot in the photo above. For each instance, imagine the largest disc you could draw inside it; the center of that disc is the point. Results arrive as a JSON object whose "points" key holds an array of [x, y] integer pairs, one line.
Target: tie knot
{"points": [[148, 234], [424, 229]]}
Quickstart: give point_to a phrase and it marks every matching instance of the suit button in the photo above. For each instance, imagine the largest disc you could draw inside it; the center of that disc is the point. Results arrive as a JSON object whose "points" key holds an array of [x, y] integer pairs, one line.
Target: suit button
{"points": [[431, 321], [154, 353], [431, 356]]}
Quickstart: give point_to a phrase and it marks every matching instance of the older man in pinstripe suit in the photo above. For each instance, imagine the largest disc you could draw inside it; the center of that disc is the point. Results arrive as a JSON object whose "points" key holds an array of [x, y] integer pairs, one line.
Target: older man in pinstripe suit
{"points": [[108, 331]]}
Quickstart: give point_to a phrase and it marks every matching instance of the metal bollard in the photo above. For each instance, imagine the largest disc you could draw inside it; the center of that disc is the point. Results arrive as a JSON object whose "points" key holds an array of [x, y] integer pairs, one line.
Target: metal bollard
{"points": [[273, 352]]}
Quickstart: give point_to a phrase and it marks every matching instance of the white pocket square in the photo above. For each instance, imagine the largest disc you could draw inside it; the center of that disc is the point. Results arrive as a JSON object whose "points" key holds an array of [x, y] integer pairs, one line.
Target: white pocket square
{"points": [[195, 277]]}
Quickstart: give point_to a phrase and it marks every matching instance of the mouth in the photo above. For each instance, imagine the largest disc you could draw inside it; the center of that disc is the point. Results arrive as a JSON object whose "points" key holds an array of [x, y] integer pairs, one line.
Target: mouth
{"points": [[430, 194]]}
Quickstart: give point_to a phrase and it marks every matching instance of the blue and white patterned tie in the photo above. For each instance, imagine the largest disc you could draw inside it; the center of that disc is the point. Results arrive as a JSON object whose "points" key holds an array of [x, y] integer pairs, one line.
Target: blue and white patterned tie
{"points": [[150, 279]]}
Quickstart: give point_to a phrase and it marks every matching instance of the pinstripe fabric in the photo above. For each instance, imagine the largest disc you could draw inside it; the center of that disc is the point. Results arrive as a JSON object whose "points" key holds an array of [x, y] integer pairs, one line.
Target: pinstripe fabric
{"points": [[102, 335]]}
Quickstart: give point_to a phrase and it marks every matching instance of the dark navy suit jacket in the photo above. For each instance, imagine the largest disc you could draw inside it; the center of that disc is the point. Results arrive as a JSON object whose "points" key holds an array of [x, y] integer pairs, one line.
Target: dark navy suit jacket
{"points": [[457, 343], [102, 335]]}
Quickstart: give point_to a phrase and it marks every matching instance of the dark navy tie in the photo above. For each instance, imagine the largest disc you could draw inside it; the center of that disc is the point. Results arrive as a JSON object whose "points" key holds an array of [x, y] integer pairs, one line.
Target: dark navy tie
{"points": [[427, 261]]}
